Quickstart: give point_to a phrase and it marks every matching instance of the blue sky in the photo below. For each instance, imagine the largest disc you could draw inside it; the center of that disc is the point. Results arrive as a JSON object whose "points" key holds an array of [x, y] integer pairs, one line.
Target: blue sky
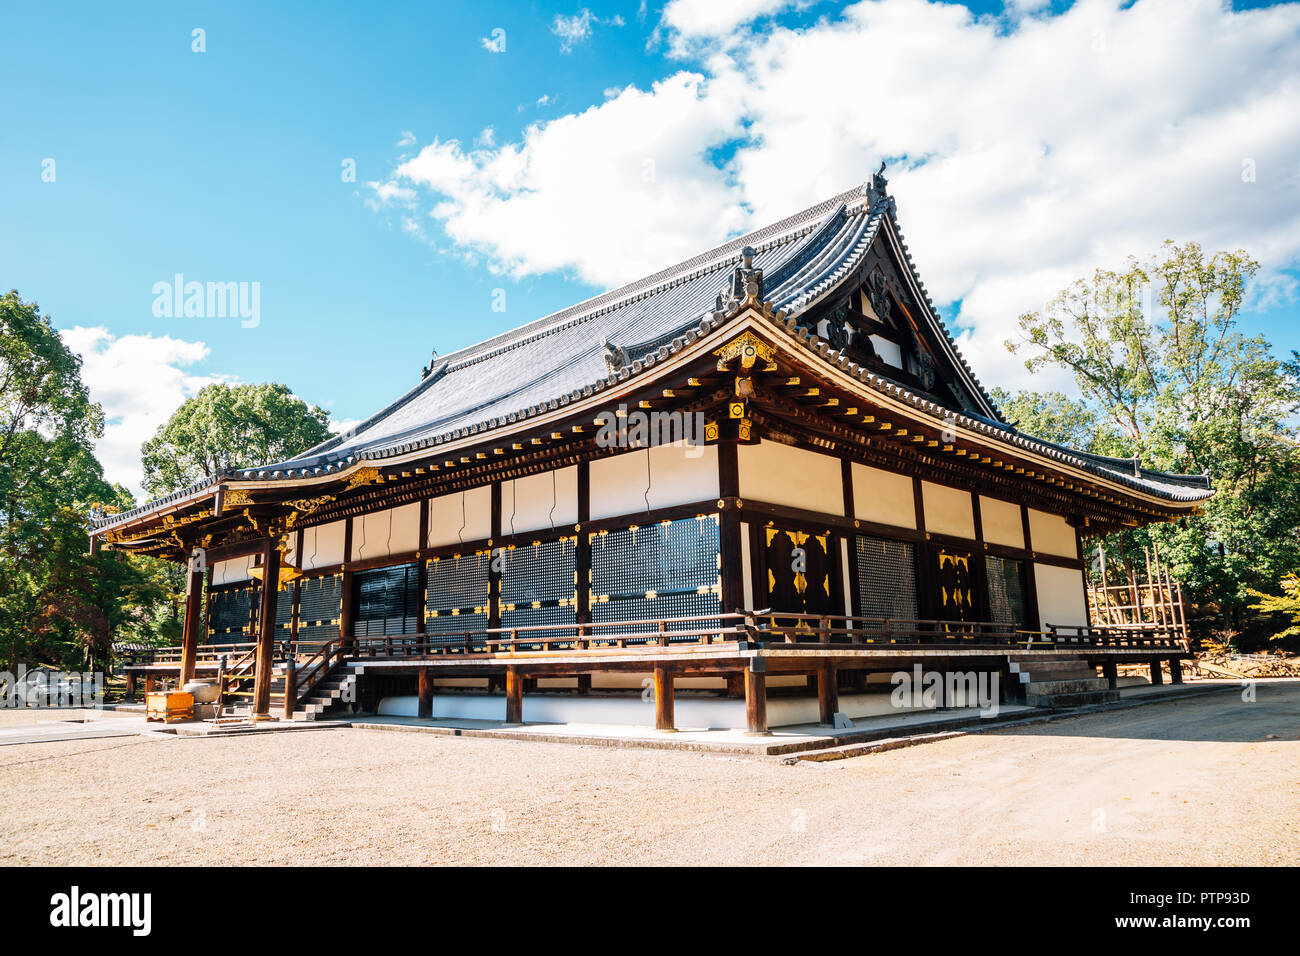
{"points": [[588, 150]]}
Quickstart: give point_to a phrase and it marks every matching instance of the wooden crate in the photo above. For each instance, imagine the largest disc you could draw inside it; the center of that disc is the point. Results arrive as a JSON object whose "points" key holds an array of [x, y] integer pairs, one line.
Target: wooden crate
{"points": [[169, 705]]}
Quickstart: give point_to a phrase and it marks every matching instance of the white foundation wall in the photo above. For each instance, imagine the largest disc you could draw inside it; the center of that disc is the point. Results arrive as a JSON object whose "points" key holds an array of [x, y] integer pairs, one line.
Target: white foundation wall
{"points": [[1052, 534], [540, 502], [322, 545], [658, 477], [1060, 595], [391, 531], [460, 516], [689, 713], [782, 475], [1001, 522], [232, 571], [947, 510], [883, 497]]}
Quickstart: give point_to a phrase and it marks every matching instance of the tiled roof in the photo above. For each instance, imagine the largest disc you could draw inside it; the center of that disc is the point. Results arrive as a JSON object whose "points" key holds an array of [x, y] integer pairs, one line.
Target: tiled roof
{"points": [[804, 258]]}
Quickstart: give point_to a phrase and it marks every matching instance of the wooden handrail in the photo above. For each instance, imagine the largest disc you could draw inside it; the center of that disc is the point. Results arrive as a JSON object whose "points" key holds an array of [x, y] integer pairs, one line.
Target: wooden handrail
{"points": [[767, 625]]}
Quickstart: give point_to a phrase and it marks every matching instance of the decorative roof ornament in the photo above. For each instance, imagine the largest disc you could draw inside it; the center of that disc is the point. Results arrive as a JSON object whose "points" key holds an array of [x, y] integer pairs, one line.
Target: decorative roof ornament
{"points": [[877, 192], [616, 356], [746, 287]]}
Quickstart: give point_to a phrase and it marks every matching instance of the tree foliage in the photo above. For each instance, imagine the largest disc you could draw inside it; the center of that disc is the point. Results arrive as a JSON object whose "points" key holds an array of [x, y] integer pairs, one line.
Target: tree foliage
{"points": [[1165, 375], [58, 603], [230, 426]]}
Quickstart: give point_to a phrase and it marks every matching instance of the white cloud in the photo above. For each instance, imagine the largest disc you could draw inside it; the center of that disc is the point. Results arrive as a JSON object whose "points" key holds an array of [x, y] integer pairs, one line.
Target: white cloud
{"points": [[1024, 151], [716, 18], [496, 42], [532, 206], [572, 30], [407, 139], [544, 99], [140, 380]]}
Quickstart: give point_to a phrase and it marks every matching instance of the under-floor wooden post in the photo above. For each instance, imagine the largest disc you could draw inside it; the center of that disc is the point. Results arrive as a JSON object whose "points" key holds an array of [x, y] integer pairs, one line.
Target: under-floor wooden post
{"points": [[149, 683], [425, 708], [663, 698], [290, 687], [1110, 670], [828, 694], [514, 696], [1157, 675], [190, 636], [1176, 670], [735, 685], [584, 684], [756, 697], [130, 685]]}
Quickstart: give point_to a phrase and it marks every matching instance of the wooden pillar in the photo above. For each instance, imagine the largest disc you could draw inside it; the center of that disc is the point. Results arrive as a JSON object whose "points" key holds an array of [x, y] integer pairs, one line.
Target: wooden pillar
{"points": [[756, 697], [663, 698], [346, 609], [422, 569], [1033, 621], [732, 568], [191, 636], [1110, 670], [130, 685], [735, 685], [266, 629], [584, 684], [1176, 670], [828, 694], [582, 562], [150, 682], [425, 709], [290, 687], [1157, 675], [514, 696], [494, 565]]}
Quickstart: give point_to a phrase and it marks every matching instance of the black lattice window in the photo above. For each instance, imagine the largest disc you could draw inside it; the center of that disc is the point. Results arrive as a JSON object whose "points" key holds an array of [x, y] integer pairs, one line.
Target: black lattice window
{"points": [[387, 601], [1006, 591], [229, 611], [457, 598], [886, 578], [537, 584], [284, 611], [670, 569], [320, 601]]}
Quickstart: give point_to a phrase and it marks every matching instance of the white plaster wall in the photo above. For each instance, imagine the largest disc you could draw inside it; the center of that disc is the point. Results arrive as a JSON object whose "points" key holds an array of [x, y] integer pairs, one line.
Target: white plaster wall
{"points": [[883, 497], [322, 545], [656, 477], [947, 510], [232, 571], [1051, 534], [1060, 595], [747, 569], [447, 514], [1001, 522], [543, 501], [391, 531], [781, 475]]}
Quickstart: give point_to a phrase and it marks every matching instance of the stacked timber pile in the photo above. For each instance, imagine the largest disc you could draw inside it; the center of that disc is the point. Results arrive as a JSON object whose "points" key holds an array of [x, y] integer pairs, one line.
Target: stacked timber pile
{"points": [[1247, 666]]}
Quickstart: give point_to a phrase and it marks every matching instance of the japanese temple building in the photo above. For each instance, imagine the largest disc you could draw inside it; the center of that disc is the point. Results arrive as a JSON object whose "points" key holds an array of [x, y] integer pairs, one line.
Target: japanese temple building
{"points": [[762, 472]]}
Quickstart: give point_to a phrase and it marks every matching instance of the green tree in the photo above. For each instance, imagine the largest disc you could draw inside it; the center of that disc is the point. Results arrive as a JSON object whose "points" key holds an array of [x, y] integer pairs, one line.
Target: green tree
{"points": [[58, 603], [230, 426], [1164, 375]]}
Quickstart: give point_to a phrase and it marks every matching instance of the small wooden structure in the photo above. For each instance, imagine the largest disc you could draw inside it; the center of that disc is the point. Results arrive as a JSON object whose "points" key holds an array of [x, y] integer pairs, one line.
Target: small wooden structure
{"points": [[1153, 602]]}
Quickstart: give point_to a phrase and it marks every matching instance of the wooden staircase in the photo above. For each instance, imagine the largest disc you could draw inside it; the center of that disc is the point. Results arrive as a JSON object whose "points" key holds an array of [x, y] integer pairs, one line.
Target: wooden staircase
{"points": [[1059, 684], [336, 687]]}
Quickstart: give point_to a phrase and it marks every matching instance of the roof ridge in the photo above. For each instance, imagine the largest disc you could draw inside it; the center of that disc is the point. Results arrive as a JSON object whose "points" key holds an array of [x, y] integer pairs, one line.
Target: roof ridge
{"points": [[710, 260]]}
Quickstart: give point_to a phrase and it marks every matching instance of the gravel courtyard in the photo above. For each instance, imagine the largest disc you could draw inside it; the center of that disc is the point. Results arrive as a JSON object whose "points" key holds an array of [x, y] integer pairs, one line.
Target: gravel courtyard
{"points": [[1205, 780]]}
